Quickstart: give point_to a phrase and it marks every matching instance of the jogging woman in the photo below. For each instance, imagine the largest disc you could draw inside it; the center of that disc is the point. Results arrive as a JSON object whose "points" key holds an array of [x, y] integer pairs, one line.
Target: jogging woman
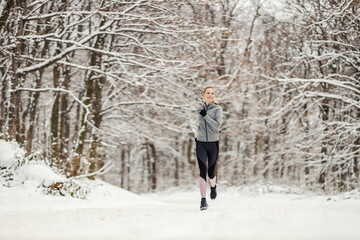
{"points": [[207, 143]]}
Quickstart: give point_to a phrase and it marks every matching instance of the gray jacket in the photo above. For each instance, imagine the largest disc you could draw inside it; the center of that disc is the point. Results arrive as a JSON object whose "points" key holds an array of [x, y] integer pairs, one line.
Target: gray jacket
{"points": [[209, 126]]}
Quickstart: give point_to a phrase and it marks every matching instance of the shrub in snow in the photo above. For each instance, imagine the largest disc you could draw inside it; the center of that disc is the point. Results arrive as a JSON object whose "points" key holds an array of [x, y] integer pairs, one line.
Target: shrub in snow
{"points": [[11, 154], [42, 176], [39, 174], [69, 187], [11, 157], [6, 177], [16, 169]]}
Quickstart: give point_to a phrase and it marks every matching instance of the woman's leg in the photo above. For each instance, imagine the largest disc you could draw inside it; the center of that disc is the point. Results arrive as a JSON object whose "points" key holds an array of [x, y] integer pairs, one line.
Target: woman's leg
{"points": [[201, 158], [213, 155], [202, 185], [213, 181]]}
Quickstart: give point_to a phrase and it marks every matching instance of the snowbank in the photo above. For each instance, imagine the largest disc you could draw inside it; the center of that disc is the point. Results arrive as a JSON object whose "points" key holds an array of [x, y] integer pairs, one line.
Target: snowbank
{"points": [[25, 198], [10, 152], [39, 175], [18, 170], [29, 185]]}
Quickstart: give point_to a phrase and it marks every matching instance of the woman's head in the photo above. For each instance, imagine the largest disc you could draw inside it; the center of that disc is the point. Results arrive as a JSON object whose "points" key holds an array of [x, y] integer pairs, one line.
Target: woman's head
{"points": [[209, 95]]}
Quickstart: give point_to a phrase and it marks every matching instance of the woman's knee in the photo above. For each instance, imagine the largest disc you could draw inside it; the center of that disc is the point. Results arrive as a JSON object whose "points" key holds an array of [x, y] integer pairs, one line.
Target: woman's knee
{"points": [[203, 170], [211, 172]]}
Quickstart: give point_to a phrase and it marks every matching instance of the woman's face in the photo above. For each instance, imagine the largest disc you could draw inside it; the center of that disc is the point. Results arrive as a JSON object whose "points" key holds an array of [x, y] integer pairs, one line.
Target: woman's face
{"points": [[209, 95]]}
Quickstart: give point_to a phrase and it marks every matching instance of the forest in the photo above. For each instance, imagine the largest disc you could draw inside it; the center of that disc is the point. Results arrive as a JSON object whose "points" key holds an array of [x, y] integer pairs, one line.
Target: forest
{"points": [[109, 88]]}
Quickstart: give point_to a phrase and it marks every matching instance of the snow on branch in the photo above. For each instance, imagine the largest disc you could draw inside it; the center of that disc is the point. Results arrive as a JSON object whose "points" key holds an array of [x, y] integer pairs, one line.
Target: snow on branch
{"points": [[350, 101], [2, 6], [333, 82], [63, 53], [337, 43], [88, 112], [186, 107], [104, 169], [110, 75], [338, 13], [112, 53], [60, 90], [55, 14]]}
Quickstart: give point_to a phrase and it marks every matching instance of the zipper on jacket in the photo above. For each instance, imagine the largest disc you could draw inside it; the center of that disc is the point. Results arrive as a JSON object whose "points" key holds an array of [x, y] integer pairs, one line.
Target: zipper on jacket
{"points": [[206, 109], [206, 131]]}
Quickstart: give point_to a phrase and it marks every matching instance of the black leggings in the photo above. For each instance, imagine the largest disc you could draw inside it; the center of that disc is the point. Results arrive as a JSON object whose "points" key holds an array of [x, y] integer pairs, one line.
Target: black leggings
{"points": [[207, 152]]}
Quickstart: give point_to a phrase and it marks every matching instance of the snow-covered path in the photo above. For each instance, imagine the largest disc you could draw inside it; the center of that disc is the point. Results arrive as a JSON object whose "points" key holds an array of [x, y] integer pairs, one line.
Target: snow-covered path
{"points": [[176, 215]]}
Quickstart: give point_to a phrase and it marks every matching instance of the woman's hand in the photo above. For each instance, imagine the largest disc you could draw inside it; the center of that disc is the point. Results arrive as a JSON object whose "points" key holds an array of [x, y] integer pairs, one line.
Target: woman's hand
{"points": [[203, 112]]}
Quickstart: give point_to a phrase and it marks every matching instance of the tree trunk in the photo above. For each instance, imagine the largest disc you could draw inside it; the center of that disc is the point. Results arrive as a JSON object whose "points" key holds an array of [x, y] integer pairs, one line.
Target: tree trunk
{"points": [[4, 91], [36, 95], [325, 118], [55, 160], [93, 90], [82, 134], [33, 111], [15, 107], [152, 164], [122, 168], [65, 123], [97, 118]]}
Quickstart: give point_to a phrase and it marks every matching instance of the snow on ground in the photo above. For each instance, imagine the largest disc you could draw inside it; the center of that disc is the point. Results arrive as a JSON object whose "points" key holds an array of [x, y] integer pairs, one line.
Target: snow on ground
{"points": [[238, 213], [250, 212], [27, 198]]}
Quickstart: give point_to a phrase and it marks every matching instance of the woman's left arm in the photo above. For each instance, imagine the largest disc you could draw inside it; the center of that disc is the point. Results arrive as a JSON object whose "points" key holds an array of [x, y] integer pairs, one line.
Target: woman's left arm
{"points": [[216, 122]]}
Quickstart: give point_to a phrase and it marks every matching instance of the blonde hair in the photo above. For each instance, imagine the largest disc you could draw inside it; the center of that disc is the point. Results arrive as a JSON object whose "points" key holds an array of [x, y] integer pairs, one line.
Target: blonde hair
{"points": [[206, 88]]}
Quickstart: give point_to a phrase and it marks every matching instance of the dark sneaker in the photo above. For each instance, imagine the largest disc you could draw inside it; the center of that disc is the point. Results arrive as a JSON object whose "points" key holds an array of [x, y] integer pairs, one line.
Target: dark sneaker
{"points": [[213, 192], [203, 204]]}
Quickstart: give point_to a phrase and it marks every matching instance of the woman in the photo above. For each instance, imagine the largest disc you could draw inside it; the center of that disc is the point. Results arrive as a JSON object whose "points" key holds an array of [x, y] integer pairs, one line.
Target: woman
{"points": [[207, 143]]}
